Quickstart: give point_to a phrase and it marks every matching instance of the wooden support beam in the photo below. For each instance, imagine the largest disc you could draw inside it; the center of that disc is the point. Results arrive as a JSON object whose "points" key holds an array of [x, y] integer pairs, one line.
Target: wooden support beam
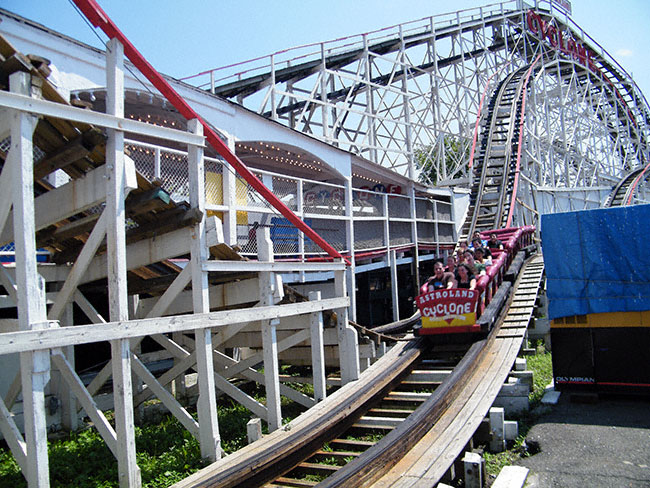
{"points": [[79, 268], [16, 62], [253, 375], [224, 295], [150, 251], [347, 336], [72, 198], [179, 368], [269, 336], [167, 398], [172, 220], [30, 289], [86, 400], [88, 308], [69, 153], [317, 350], [13, 437], [207, 405], [163, 302], [128, 470], [83, 225], [6, 180], [7, 282], [36, 340], [392, 257]]}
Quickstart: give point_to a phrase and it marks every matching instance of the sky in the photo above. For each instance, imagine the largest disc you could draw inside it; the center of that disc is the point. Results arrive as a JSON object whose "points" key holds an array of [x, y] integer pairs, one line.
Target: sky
{"points": [[183, 37]]}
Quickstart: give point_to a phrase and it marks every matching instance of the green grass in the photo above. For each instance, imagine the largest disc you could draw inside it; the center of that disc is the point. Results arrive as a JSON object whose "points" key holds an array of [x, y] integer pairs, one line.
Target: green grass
{"points": [[541, 366], [166, 452]]}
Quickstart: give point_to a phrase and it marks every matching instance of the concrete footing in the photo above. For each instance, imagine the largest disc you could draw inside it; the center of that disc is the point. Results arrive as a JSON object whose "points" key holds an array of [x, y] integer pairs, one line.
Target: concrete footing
{"points": [[511, 477]]}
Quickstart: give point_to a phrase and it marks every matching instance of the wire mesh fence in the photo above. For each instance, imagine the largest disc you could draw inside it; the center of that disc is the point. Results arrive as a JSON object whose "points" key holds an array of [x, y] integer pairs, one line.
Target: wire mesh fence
{"points": [[323, 199], [399, 207], [323, 207], [367, 204]]}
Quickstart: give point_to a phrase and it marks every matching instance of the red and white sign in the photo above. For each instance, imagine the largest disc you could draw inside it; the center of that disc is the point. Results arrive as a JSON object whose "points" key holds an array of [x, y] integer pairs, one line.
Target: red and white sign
{"points": [[560, 39], [448, 307]]}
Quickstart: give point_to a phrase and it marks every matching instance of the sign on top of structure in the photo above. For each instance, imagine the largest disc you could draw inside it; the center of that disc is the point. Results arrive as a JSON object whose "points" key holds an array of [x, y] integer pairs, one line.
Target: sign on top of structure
{"points": [[565, 4]]}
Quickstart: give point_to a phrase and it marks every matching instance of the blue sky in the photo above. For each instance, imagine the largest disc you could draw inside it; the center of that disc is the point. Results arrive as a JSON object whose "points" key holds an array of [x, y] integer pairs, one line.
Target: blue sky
{"points": [[181, 37]]}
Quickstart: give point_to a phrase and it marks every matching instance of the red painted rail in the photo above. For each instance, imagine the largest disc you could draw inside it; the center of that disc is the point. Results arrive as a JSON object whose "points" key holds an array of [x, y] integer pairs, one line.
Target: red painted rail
{"points": [[99, 18]]}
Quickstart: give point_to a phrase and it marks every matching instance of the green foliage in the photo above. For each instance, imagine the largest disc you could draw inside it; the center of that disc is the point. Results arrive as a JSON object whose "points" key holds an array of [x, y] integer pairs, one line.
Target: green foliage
{"points": [[453, 153], [331, 461], [494, 463], [541, 366], [166, 451]]}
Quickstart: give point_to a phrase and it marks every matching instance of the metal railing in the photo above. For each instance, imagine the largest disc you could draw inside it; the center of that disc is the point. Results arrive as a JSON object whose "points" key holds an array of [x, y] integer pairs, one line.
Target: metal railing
{"points": [[379, 220]]}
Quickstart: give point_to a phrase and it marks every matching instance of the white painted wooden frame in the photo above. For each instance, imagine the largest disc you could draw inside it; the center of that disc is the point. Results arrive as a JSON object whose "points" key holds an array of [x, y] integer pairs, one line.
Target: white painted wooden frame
{"points": [[128, 470], [207, 404], [30, 291]]}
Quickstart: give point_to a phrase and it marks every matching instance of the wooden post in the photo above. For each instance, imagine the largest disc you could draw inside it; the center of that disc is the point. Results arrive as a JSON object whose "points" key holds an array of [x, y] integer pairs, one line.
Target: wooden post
{"points": [[128, 470], [30, 289], [229, 182], [138, 384], [351, 278], [207, 403], [69, 417], [269, 335], [300, 206], [393, 284], [317, 350], [347, 336], [473, 464], [414, 234], [497, 429]]}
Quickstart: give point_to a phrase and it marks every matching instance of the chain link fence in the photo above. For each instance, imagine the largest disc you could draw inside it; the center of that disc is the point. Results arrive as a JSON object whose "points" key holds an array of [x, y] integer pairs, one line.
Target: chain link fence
{"points": [[399, 207], [367, 204], [323, 207]]}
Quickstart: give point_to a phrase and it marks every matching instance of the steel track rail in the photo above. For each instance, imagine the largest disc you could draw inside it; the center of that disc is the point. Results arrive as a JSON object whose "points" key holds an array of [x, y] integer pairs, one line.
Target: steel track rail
{"points": [[622, 192]]}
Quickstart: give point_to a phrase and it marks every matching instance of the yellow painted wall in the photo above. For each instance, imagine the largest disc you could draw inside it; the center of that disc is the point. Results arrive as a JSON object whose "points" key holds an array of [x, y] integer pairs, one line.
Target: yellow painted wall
{"points": [[609, 319], [214, 195]]}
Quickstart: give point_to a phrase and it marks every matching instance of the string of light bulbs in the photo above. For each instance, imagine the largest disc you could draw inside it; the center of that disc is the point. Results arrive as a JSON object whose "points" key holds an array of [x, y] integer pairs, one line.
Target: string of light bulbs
{"points": [[281, 159]]}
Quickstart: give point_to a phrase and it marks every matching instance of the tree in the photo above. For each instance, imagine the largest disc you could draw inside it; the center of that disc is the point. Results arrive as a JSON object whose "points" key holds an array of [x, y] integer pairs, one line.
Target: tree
{"points": [[443, 160]]}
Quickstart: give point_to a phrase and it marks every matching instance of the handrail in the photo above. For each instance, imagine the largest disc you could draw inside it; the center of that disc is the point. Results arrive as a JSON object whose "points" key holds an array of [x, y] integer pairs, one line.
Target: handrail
{"points": [[100, 19]]}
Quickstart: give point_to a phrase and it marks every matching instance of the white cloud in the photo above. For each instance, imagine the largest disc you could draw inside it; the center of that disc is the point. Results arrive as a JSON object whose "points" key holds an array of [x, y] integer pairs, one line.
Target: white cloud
{"points": [[624, 53]]}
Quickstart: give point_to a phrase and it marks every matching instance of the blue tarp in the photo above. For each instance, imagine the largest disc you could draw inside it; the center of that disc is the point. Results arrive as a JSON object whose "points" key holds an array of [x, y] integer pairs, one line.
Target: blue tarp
{"points": [[597, 260]]}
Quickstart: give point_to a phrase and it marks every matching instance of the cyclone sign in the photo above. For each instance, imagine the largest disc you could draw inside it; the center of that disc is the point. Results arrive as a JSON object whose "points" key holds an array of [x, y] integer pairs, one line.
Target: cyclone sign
{"points": [[448, 308]]}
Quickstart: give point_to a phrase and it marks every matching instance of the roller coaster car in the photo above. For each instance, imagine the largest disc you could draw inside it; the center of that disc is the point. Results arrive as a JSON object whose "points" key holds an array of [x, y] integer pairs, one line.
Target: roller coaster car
{"points": [[471, 313]]}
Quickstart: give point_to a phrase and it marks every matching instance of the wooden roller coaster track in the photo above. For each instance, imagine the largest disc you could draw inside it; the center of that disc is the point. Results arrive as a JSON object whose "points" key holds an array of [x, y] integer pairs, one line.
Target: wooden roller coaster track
{"points": [[624, 190], [421, 445]]}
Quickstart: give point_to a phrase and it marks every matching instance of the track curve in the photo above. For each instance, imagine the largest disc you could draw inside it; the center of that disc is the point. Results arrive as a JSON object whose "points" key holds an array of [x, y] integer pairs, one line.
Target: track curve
{"points": [[481, 372], [624, 190]]}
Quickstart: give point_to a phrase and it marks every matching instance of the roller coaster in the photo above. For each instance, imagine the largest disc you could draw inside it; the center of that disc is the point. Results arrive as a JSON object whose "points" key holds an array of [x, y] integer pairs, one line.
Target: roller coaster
{"points": [[564, 127]]}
